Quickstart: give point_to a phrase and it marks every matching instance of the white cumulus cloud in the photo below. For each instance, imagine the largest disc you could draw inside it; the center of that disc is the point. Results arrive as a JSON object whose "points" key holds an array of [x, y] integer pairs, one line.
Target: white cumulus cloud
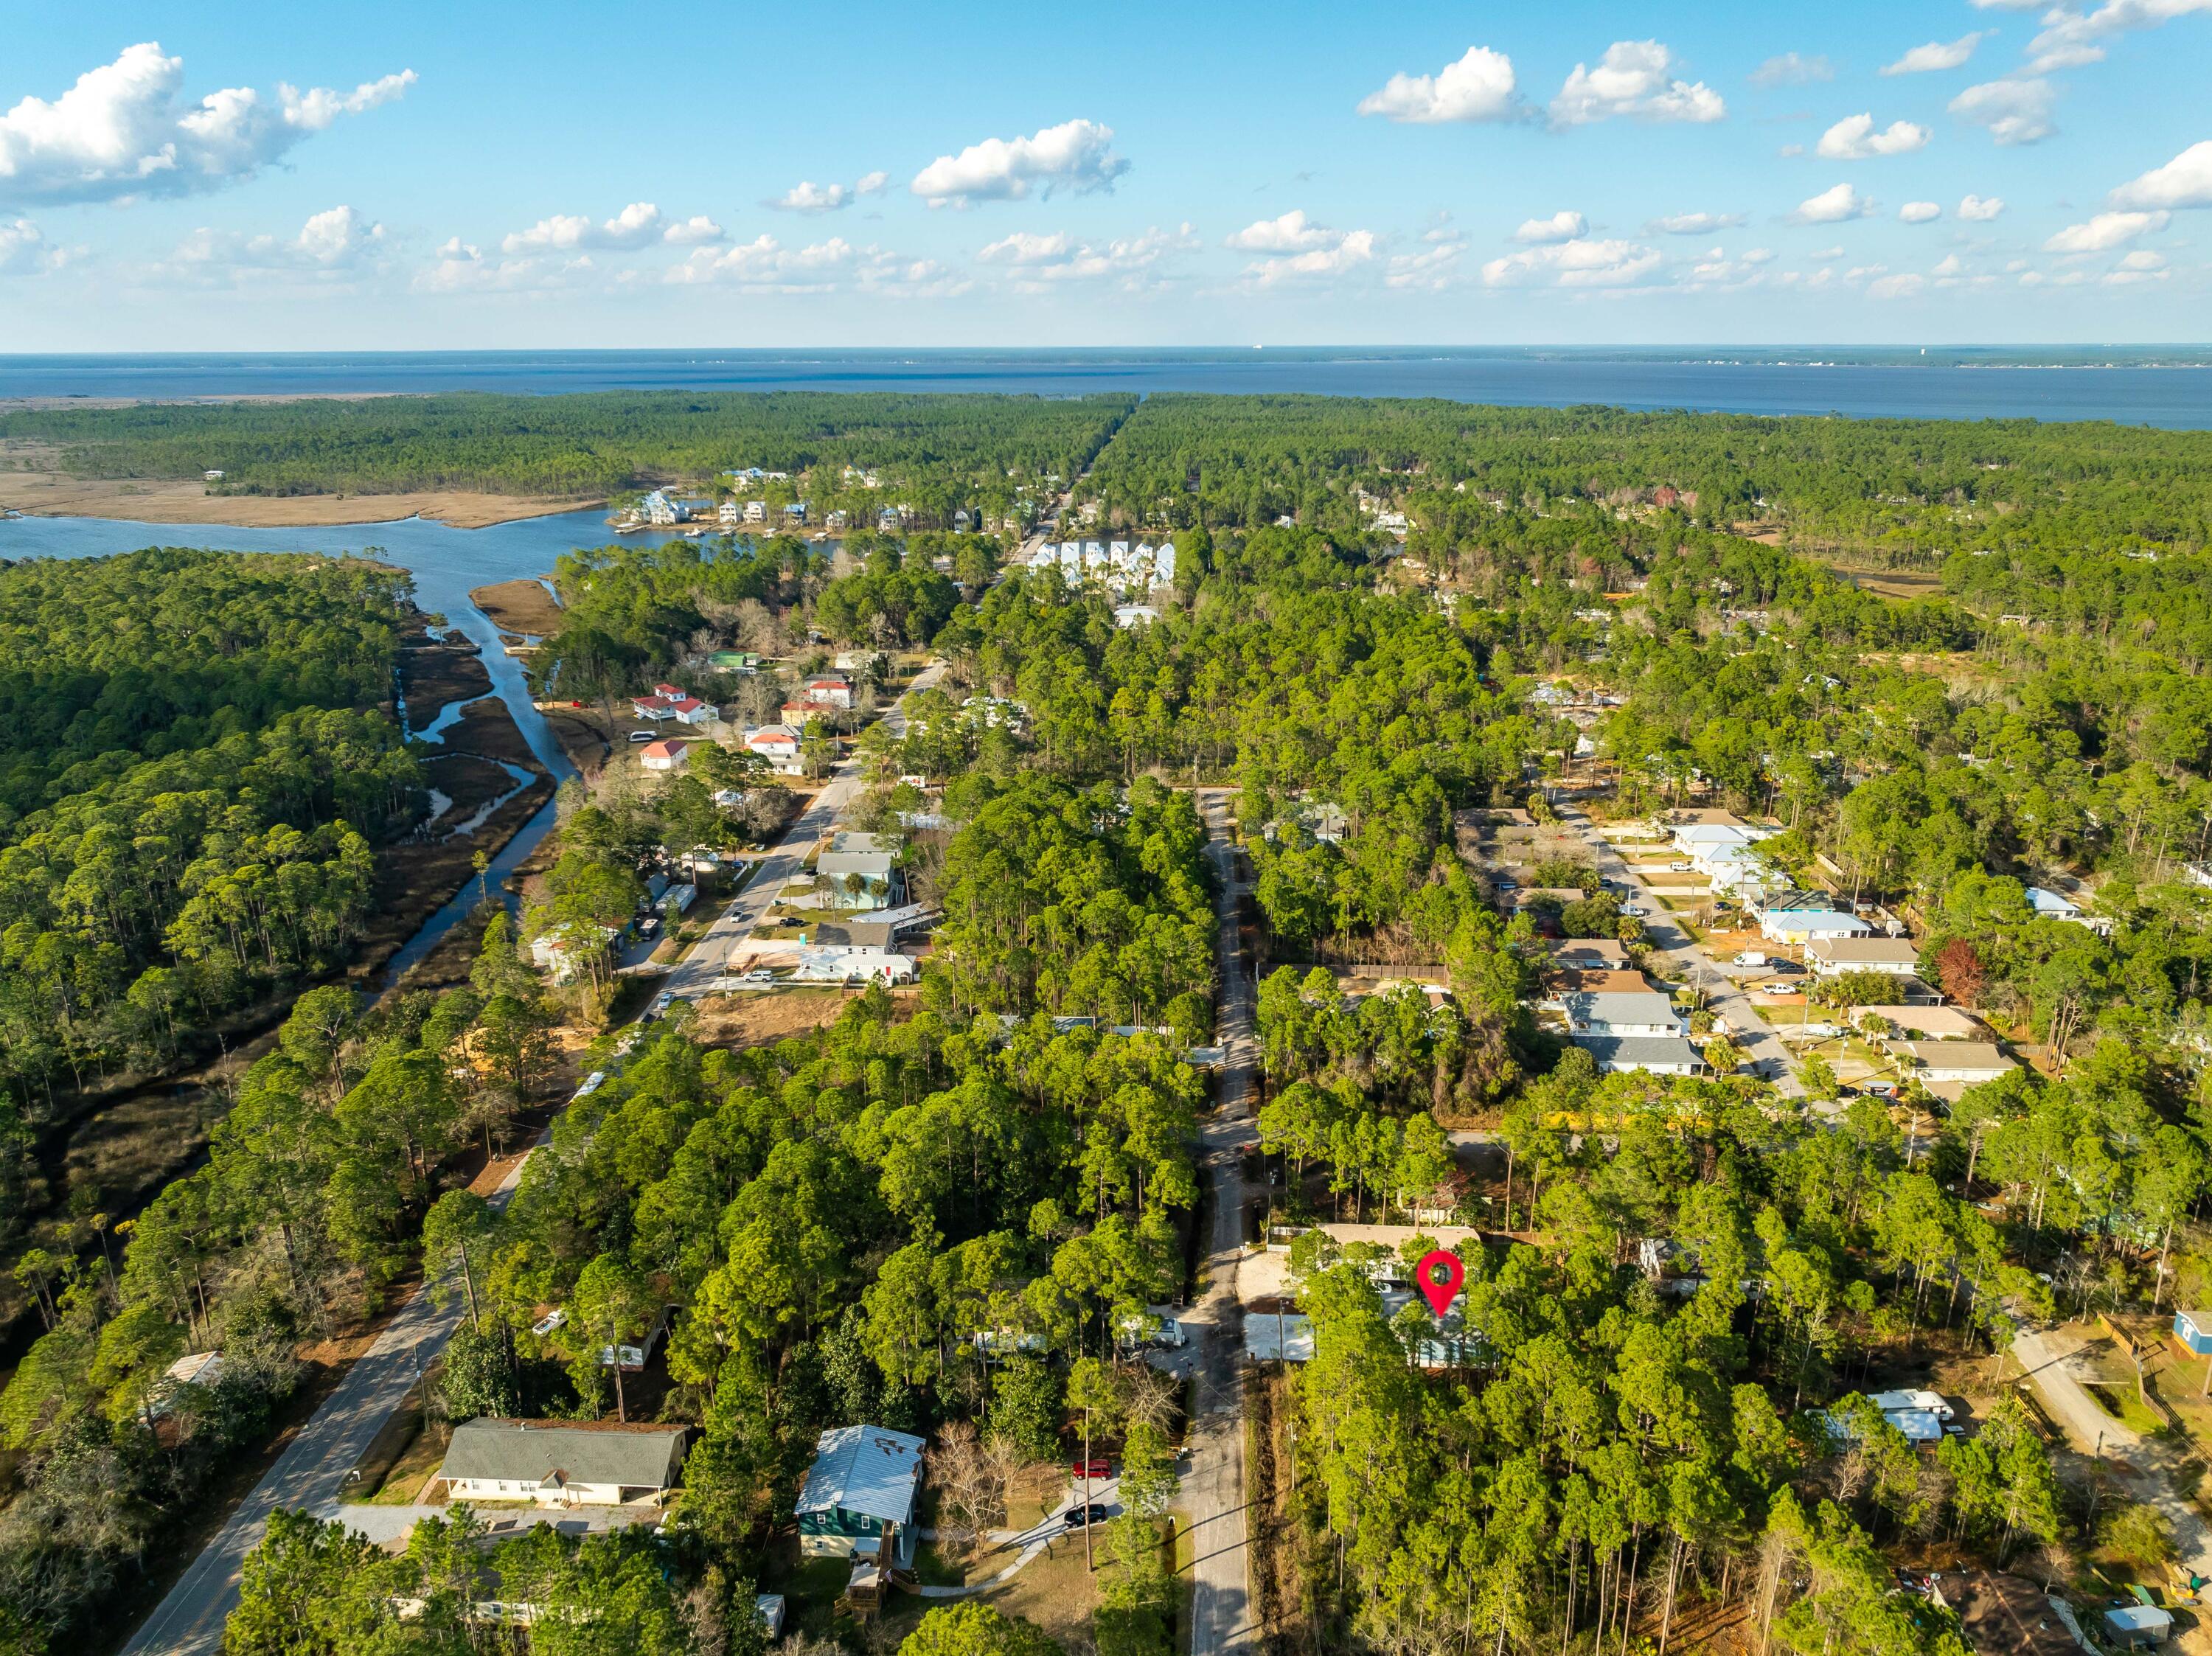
{"points": [[1832, 206], [2072, 37], [1633, 78], [1936, 54], [1855, 139], [337, 239], [1792, 69], [2104, 231], [808, 197], [1292, 232], [766, 265], [1902, 286], [1694, 224], [1919, 212], [641, 224], [1077, 156], [23, 247], [124, 129], [1039, 260], [1980, 209], [1479, 87], [2184, 181], [2015, 110], [1585, 263], [1299, 250], [1562, 225]]}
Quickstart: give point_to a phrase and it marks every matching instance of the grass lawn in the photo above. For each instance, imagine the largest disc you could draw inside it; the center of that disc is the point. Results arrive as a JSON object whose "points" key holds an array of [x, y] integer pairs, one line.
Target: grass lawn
{"points": [[408, 1475]]}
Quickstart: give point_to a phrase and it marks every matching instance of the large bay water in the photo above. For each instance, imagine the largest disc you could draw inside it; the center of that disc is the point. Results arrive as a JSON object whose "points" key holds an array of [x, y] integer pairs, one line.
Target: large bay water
{"points": [[2169, 387]]}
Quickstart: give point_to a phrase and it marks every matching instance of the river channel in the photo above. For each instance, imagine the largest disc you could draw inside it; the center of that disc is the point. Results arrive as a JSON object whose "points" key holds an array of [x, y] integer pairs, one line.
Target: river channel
{"points": [[447, 564]]}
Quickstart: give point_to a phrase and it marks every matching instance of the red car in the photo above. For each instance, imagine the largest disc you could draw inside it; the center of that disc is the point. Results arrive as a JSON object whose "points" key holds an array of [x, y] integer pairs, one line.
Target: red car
{"points": [[1096, 1471]]}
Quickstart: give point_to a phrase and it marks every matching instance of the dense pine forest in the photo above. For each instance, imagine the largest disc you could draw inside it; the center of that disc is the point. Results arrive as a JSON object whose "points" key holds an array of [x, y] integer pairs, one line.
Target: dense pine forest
{"points": [[945, 1209]]}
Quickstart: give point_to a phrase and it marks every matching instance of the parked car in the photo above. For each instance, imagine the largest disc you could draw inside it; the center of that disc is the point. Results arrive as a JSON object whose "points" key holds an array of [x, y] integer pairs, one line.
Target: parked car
{"points": [[1082, 1517], [1096, 1471], [760, 975], [1879, 1089], [662, 1002], [642, 736]]}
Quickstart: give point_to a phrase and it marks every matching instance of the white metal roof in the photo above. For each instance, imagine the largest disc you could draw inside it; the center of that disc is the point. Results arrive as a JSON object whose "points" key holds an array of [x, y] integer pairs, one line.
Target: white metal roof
{"points": [[870, 1469]]}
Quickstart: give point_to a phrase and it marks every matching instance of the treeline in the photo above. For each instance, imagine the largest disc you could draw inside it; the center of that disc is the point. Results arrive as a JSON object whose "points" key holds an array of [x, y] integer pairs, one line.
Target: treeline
{"points": [[1911, 489], [587, 444], [315, 1189], [1615, 1442], [199, 827]]}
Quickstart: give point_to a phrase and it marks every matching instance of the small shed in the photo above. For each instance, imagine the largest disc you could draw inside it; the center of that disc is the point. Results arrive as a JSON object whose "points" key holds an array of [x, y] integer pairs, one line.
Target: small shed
{"points": [[2194, 1330], [2138, 1627]]}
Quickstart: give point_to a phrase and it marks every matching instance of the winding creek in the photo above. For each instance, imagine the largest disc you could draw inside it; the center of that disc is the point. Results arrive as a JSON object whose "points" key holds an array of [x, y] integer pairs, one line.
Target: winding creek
{"points": [[447, 564]]}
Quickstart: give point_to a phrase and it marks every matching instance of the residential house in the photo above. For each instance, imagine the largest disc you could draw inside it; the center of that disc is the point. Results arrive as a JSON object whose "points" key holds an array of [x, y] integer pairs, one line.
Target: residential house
{"points": [[731, 513], [1797, 920], [664, 755], [568, 950], [1648, 1013], [2194, 1330], [1586, 954], [1831, 956], [795, 512], [1667, 1055], [778, 745], [1969, 1062], [831, 688], [655, 707], [658, 508], [755, 512], [1923, 1022], [563, 1463], [2003, 1613], [887, 521], [1135, 615], [2054, 906], [836, 521], [851, 963], [870, 858], [860, 1496]]}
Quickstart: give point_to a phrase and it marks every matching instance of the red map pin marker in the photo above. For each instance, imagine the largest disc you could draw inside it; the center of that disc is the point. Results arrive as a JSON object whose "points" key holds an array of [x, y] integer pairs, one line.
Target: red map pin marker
{"points": [[1439, 1275]]}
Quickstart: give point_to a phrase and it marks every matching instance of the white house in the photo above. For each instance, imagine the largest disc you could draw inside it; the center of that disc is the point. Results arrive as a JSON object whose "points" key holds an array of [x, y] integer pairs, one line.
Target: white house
{"points": [[1922, 1023], [562, 1463], [730, 511], [1608, 1012], [564, 951], [1831, 955], [860, 1494], [658, 508], [1799, 922], [1668, 1055], [755, 512], [664, 755], [1135, 615], [838, 964], [778, 744], [836, 691], [2052, 906]]}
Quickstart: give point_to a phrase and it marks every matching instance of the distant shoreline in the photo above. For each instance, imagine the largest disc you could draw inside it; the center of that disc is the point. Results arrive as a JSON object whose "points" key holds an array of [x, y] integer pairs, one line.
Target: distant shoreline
{"points": [[171, 501]]}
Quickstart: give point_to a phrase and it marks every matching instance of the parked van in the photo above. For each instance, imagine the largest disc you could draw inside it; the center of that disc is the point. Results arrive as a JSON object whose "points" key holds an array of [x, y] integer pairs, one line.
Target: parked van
{"points": [[1750, 957]]}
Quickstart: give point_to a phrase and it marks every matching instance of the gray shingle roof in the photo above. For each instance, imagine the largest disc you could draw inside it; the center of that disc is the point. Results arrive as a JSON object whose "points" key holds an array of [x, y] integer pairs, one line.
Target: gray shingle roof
{"points": [[1639, 1052], [864, 1469], [644, 1457]]}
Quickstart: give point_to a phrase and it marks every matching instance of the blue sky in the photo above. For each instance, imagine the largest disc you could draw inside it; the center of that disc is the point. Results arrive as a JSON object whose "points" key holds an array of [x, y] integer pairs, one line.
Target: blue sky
{"points": [[243, 176]]}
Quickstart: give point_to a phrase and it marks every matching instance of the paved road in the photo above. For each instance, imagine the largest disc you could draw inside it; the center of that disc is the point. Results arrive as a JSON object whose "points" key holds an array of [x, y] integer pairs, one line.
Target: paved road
{"points": [[2153, 1470], [1762, 1047], [190, 1619], [696, 970], [309, 1473], [1224, 1618]]}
